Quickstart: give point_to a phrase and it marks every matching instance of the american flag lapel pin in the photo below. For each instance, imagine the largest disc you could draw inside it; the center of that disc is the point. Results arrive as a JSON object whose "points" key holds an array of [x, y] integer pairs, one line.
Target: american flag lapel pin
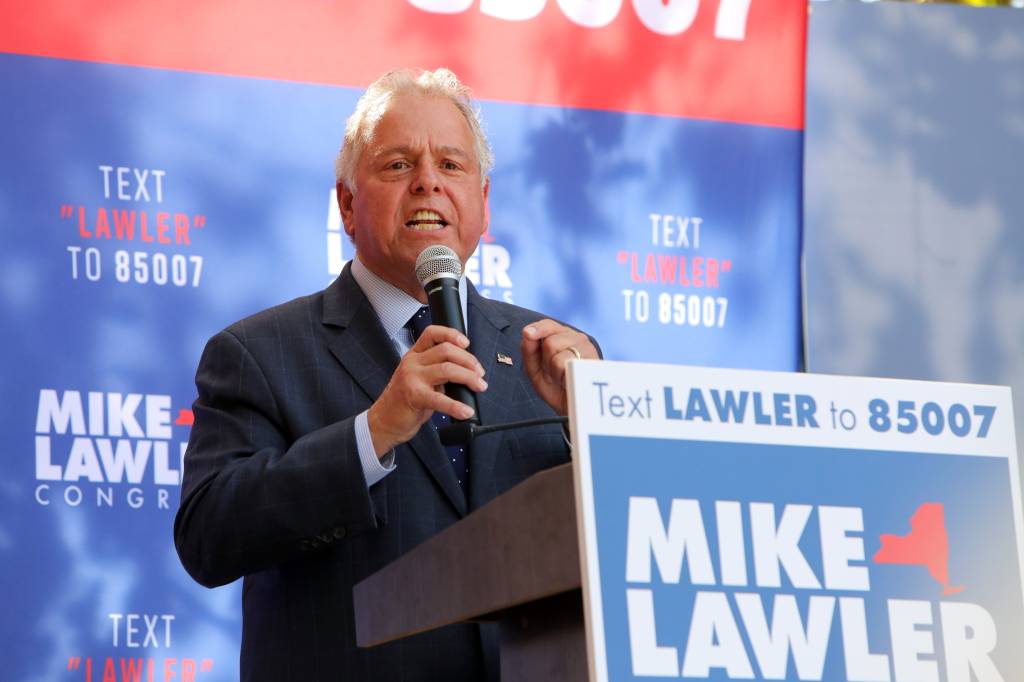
{"points": [[504, 359]]}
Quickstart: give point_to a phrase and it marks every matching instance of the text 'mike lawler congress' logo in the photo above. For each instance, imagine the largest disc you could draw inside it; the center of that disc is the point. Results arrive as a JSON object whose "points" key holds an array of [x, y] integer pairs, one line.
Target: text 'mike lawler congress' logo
{"points": [[106, 441]]}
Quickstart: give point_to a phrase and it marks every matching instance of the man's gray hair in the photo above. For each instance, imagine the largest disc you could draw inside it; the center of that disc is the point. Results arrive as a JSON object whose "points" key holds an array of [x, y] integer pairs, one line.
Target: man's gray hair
{"points": [[374, 104]]}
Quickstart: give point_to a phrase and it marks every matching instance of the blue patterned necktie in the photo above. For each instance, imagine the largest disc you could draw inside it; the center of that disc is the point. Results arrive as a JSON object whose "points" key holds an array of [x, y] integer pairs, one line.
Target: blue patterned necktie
{"points": [[457, 454]]}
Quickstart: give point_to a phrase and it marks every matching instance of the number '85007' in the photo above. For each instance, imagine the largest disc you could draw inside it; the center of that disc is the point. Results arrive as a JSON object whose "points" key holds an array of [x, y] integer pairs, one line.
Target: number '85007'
{"points": [[932, 418]]}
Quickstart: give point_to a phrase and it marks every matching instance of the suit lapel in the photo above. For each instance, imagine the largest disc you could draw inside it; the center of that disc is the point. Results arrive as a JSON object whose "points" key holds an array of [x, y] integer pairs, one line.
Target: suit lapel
{"points": [[488, 338], [356, 338], [358, 341]]}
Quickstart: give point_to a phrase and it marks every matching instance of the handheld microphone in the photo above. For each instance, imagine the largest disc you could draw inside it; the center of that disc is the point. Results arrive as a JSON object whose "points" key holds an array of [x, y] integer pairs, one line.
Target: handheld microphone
{"points": [[438, 269]]}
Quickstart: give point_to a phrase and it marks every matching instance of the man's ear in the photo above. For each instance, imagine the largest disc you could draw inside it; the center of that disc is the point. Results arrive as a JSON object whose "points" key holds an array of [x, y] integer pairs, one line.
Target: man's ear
{"points": [[345, 198], [487, 205]]}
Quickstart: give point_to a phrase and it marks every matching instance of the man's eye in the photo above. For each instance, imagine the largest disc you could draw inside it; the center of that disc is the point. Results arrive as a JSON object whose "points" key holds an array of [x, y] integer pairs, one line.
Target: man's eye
{"points": [[398, 165], [450, 165]]}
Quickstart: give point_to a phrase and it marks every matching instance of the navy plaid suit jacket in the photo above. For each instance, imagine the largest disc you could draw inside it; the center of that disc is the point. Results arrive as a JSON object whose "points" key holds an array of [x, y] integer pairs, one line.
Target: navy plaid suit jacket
{"points": [[274, 492]]}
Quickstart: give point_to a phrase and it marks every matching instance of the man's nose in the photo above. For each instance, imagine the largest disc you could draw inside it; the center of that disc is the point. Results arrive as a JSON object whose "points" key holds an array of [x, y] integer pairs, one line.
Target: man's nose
{"points": [[426, 180]]}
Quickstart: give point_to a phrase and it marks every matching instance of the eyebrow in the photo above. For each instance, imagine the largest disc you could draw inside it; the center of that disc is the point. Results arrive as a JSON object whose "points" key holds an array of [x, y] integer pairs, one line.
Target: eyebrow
{"points": [[404, 150]]}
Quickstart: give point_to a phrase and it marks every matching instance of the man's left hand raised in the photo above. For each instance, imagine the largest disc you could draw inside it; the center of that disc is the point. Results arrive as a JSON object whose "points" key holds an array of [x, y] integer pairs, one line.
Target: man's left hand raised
{"points": [[547, 349]]}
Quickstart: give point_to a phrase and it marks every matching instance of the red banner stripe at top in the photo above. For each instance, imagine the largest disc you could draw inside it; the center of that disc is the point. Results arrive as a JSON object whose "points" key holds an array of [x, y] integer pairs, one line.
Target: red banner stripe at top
{"points": [[727, 60]]}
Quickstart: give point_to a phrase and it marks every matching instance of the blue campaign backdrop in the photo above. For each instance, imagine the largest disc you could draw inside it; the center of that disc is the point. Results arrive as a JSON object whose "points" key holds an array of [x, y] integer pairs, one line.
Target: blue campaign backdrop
{"points": [[248, 165]]}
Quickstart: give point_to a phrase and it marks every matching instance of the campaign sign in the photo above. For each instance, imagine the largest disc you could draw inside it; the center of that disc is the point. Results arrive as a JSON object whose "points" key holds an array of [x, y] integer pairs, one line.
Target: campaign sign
{"points": [[748, 525]]}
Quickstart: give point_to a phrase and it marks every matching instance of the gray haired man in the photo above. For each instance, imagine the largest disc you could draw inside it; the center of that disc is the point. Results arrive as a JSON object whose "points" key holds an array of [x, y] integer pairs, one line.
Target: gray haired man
{"points": [[313, 461]]}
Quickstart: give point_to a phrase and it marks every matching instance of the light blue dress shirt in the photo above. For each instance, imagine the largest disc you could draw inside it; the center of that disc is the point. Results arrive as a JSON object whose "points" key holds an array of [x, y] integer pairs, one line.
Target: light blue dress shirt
{"points": [[394, 308]]}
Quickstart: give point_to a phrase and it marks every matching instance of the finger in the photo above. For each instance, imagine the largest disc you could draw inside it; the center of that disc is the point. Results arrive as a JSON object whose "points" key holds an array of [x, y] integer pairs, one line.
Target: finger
{"points": [[530, 348], [454, 408], [437, 401], [445, 372], [567, 345], [542, 329], [552, 335], [446, 352], [555, 348], [534, 336], [436, 334]]}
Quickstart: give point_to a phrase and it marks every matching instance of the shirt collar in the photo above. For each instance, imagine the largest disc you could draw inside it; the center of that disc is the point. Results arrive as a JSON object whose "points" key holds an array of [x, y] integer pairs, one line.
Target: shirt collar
{"points": [[393, 306]]}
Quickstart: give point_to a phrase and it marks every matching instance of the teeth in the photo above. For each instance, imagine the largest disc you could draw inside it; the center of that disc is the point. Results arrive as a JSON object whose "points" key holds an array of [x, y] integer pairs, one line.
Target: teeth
{"points": [[425, 221]]}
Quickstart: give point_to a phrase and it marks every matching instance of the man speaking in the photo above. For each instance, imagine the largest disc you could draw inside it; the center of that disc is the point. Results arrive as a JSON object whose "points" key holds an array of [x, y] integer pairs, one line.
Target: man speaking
{"points": [[314, 459]]}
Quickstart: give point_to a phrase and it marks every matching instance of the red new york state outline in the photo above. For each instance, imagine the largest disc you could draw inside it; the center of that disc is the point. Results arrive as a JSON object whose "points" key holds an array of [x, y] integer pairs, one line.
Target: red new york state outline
{"points": [[927, 544]]}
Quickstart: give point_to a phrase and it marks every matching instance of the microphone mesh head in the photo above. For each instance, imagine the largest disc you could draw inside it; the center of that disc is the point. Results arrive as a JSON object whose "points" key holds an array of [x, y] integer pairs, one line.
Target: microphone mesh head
{"points": [[435, 261]]}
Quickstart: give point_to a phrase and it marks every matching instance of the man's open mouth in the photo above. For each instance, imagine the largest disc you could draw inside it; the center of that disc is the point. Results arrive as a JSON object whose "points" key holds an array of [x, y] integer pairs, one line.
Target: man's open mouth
{"points": [[425, 221]]}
